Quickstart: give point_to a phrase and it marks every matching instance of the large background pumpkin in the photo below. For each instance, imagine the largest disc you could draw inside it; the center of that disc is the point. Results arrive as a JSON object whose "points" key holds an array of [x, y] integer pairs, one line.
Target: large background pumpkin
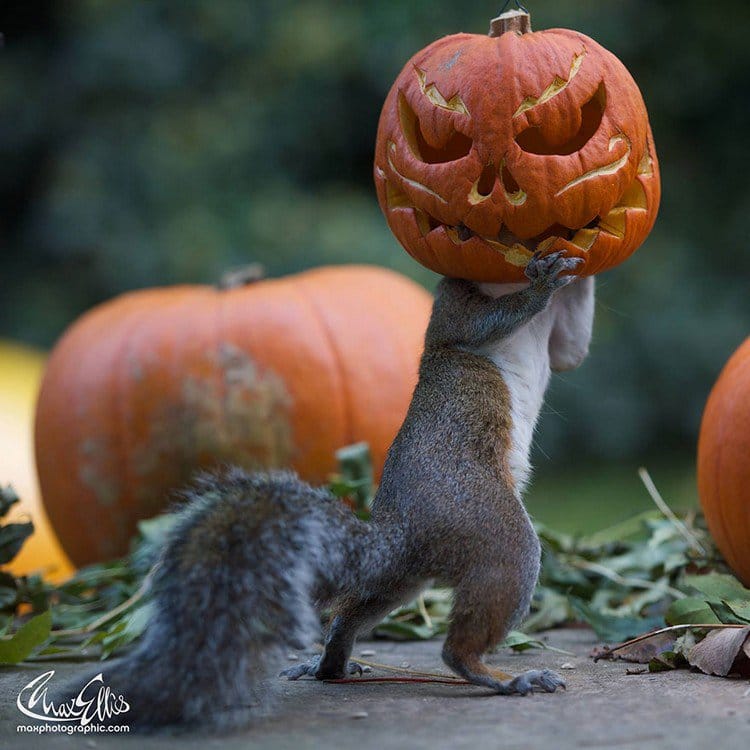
{"points": [[490, 147], [145, 389], [21, 370], [724, 462]]}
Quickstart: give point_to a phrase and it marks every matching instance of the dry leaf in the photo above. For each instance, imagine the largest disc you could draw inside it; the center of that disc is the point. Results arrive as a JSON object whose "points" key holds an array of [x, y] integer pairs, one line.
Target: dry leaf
{"points": [[717, 652], [642, 651]]}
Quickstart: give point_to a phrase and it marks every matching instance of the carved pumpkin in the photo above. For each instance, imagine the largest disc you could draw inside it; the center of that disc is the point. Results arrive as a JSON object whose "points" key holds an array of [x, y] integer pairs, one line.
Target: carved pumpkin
{"points": [[724, 462], [145, 389], [490, 147]]}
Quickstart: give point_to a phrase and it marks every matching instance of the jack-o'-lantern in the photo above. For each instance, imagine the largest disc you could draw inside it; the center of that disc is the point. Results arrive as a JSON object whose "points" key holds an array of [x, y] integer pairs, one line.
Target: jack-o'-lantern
{"points": [[491, 147]]}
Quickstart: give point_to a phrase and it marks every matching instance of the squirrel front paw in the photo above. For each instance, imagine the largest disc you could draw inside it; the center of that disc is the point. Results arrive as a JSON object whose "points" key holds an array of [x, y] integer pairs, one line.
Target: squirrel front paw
{"points": [[548, 272]]}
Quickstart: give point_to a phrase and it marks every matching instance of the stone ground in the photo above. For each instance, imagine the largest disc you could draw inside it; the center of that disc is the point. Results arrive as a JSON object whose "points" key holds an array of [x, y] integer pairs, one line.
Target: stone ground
{"points": [[604, 707]]}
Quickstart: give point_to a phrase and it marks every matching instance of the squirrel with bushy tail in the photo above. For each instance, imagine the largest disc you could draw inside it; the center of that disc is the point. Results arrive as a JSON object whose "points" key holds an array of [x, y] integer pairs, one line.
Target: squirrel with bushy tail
{"points": [[254, 558]]}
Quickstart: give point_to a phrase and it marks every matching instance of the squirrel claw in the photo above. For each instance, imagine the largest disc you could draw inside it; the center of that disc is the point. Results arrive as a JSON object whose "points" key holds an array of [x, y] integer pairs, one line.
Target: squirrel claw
{"points": [[299, 670], [550, 270], [312, 668]]}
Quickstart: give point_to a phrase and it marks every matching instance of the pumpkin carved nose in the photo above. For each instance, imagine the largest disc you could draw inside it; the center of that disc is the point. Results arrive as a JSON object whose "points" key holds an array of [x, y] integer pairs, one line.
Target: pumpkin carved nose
{"points": [[483, 188]]}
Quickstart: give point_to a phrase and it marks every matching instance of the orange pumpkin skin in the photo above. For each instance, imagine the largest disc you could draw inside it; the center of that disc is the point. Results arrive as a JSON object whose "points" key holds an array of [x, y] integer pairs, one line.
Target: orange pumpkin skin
{"points": [[145, 389], [724, 462], [491, 147]]}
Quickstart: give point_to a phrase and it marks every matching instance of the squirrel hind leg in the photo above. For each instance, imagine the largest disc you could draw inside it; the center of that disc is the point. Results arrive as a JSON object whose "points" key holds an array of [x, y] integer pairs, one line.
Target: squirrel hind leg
{"points": [[481, 618], [352, 617], [471, 667]]}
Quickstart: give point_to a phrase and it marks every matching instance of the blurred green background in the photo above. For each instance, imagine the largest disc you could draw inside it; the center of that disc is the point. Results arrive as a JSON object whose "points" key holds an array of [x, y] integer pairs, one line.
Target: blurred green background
{"points": [[153, 142]]}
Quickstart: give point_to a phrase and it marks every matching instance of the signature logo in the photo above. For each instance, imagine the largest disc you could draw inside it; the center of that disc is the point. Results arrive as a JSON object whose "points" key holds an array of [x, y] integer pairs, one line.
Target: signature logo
{"points": [[94, 702]]}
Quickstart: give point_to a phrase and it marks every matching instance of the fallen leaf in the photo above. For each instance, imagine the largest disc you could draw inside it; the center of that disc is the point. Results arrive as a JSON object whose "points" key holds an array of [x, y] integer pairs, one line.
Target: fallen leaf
{"points": [[643, 651], [717, 652], [665, 662], [26, 639], [690, 610], [718, 586], [726, 613]]}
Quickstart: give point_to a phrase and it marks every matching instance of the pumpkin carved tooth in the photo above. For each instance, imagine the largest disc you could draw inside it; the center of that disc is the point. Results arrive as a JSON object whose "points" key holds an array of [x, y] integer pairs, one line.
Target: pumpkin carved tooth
{"points": [[463, 232], [585, 238], [646, 166], [394, 197], [614, 222], [517, 255]]}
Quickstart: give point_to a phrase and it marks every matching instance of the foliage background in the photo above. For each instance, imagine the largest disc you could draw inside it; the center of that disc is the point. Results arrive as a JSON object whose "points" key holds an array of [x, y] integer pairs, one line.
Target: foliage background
{"points": [[150, 142]]}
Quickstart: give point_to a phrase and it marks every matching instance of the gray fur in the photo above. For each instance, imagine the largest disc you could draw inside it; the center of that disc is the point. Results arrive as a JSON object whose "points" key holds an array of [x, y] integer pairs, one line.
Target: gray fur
{"points": [[254, 557]]}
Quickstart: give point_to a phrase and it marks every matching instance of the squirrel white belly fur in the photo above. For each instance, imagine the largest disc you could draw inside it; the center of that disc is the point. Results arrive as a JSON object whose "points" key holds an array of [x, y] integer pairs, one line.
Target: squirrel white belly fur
{"points": [[254, 557], [527, 357]]}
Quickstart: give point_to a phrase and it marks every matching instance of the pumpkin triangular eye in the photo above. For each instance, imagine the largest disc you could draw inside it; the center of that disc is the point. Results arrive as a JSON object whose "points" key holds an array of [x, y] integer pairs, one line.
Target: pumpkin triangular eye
{"points": [[532, 139], [455, 147]]}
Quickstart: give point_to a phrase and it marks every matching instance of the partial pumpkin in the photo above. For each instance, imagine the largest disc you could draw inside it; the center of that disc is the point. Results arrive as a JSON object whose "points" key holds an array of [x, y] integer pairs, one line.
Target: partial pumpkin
{"points": [[144, 390], [724, 462], [21, 370], [490, 147]]}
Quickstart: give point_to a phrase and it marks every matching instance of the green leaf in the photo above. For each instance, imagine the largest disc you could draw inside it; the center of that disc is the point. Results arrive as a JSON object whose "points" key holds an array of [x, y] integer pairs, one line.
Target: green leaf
{"points": [[23, 642], [355, 467], [613, 628], [741, 609], [550, 608], [519, 641], [718, 586], [8, 597], [405, 631], [665, 662], [726, 614], [12, 537], [689, 611]]}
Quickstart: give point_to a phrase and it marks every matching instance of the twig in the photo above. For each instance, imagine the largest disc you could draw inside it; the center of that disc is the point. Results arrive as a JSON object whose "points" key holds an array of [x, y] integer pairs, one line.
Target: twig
{"points": [[423, 611], [416, 673], [648, 483], [366, 680]]}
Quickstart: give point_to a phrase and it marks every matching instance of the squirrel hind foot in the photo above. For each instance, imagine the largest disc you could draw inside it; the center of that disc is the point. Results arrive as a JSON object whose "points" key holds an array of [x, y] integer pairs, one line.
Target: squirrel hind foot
{"points": [[472, 668], [313, 669], [544, 679]]}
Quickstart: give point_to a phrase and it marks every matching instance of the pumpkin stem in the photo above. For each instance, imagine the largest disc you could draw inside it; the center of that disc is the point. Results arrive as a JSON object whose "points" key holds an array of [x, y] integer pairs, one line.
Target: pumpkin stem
{"points": [[518, 21], [240, 277]]}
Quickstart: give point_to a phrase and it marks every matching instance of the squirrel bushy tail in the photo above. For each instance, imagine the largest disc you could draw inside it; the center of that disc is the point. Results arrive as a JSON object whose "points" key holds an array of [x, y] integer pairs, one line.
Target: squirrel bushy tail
{"points": [[235, 589]]}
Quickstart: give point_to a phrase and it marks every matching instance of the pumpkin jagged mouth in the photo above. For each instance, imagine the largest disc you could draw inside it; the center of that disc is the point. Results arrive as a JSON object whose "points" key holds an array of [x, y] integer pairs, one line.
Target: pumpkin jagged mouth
{"points": [[517, 251]]}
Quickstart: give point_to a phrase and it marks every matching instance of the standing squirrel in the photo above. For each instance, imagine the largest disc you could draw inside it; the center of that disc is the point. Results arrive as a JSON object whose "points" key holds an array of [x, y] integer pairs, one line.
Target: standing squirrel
{"points": [[254, 557]]}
